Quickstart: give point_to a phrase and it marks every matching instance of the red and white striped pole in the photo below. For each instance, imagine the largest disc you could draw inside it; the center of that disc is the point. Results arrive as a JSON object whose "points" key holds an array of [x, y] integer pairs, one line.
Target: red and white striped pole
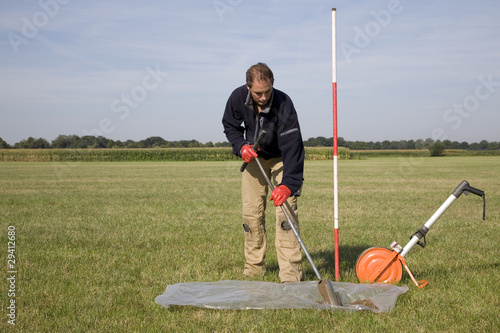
{"points": [[335, 148]]}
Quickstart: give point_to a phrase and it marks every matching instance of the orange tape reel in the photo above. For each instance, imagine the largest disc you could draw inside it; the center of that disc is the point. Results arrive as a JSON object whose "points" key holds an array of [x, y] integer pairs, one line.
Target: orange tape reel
{"points": [[378, 264]]}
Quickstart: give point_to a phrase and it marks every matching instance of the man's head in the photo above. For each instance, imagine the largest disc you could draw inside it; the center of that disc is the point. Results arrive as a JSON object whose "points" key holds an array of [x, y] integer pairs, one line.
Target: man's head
{"points": [[259, 72], [260, 82]]}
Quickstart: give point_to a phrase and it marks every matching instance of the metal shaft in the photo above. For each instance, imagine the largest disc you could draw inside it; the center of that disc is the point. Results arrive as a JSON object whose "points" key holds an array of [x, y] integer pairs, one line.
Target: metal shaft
{"points": [[287, 216], [414, 240]]}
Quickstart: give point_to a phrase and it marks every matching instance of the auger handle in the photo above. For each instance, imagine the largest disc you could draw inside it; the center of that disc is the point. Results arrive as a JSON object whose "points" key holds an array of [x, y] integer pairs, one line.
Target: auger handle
{"points": [[255, 147], [465, 187]]}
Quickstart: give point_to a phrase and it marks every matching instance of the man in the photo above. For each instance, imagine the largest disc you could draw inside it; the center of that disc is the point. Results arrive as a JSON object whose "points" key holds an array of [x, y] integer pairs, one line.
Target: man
{"points": [[250, 109]]}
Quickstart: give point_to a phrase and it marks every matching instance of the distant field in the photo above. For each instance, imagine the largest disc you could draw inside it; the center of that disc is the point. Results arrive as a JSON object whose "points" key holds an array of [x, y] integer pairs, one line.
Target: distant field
{"points": [[145, 154], [96, 242], [202, 154], [420, 153]]}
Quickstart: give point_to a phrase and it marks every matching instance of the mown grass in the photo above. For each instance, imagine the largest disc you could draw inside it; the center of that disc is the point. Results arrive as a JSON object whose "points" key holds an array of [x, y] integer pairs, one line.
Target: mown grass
{"points": [[97, 242]]}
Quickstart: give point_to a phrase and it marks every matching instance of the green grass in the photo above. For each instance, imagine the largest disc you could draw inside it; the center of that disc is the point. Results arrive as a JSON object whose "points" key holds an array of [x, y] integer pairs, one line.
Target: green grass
{"points": [[97, 242]]}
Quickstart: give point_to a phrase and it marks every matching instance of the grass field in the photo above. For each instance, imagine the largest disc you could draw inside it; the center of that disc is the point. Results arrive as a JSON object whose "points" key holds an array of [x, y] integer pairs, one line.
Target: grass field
{"points": [[95, 243]]}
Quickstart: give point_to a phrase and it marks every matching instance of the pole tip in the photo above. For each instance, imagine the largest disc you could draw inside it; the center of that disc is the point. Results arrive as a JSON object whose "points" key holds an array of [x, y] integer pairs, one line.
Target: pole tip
{"points": [[334, 9]]}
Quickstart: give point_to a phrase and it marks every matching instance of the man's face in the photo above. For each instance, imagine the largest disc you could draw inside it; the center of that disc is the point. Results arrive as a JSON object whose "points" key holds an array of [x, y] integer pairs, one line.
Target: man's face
{"points": [[261, 91]]}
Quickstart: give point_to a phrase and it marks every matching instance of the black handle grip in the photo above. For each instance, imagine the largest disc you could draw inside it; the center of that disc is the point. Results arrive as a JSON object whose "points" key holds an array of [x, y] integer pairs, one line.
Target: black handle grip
{"points": [[478, 192], [474, 190], [255, 147], [465, 187]]}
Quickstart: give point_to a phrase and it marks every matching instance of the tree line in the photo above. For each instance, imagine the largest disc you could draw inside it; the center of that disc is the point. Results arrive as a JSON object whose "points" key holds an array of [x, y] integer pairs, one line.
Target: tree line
{"points": [[401, 144], [93, 142]]}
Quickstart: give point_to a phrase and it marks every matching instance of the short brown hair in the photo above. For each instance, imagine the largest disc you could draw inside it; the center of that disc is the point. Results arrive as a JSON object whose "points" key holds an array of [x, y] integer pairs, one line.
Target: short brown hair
{"points": [[259, 71]]}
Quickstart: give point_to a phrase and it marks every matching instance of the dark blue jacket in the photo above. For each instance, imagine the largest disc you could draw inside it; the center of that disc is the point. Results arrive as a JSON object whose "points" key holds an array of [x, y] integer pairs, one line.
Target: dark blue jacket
{"points": [[242, 125]]}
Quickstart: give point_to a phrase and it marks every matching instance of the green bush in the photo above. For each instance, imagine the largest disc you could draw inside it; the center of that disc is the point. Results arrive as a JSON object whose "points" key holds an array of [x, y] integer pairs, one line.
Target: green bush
{"points": [[437, 149]]}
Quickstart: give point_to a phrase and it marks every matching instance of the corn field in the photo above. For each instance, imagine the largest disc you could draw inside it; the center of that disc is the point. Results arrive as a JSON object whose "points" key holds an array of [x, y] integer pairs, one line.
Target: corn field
{"points": [[144, 154]]}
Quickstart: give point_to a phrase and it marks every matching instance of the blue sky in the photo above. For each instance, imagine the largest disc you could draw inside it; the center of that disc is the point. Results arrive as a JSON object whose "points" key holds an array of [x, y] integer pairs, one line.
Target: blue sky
{"points": [[134, 69]]}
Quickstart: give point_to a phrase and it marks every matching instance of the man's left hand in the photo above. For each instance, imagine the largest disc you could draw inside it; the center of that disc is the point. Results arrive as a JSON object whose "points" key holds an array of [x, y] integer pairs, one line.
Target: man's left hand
{"points": [[280, 194]]}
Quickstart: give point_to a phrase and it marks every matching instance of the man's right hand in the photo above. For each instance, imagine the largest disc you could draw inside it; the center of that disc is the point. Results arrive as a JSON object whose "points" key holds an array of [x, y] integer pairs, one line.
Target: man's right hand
{"points": [[248, 154]]}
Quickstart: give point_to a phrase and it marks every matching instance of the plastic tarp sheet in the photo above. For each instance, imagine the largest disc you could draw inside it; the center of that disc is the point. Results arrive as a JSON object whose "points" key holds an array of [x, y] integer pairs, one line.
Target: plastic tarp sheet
{"points": [[240, 295]]}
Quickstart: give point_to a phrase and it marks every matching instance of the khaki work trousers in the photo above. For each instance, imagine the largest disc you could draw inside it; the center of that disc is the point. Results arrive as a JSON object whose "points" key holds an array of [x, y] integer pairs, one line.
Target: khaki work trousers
{"points": [[254, 195]]}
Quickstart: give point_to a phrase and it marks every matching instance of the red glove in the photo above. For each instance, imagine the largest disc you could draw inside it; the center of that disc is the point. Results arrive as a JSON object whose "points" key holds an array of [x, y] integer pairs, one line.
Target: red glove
{"points": [[248, 154], [280, 194]]}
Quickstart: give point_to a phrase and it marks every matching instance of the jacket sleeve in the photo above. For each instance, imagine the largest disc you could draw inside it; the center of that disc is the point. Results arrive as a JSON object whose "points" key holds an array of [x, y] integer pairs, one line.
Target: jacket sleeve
{"points": [[232, 121], [291, 146]]}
